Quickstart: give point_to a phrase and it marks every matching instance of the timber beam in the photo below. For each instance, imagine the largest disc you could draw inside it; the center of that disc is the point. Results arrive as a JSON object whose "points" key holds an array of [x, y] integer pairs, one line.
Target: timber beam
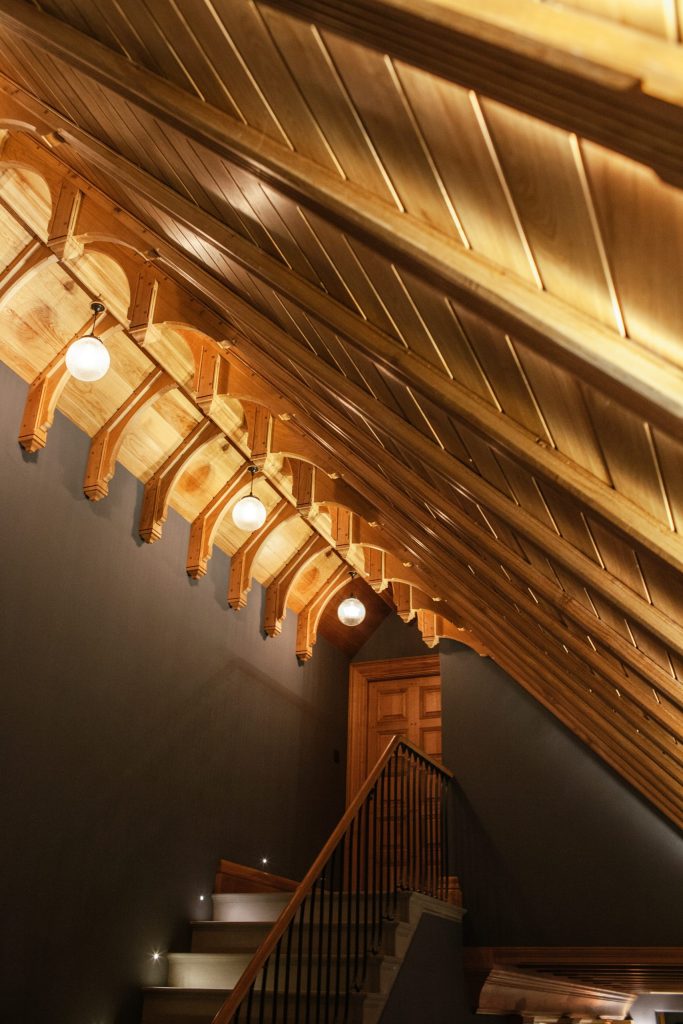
{"points": [[106, 444], [242, 561], [312, 487], [278, 590], [25, 265], [309, 617], [158, 488], [204, 526]]}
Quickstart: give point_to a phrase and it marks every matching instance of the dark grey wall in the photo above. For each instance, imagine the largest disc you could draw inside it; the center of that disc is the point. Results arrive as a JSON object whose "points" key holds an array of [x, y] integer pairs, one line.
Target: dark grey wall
{"points": [[145, 731], [552, 846], [393, 638]]}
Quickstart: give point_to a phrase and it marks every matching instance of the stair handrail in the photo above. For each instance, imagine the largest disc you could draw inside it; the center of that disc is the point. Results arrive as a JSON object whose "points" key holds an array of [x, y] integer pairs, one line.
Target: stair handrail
{"points": [[268, 946]]}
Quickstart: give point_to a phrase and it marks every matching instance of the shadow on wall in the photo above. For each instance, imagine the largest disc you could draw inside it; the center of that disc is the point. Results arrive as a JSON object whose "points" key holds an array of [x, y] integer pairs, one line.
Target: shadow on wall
{"points": [[553, 848]]}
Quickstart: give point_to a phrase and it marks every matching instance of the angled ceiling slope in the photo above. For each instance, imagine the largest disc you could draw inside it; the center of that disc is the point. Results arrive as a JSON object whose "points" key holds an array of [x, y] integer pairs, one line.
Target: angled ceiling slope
{"points": [[448, 247]]}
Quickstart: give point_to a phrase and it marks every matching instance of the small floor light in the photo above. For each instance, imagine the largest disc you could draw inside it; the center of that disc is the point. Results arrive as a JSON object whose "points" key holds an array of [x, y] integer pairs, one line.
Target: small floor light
{"points": [[87, 358], [351, 611], [249, 513]]}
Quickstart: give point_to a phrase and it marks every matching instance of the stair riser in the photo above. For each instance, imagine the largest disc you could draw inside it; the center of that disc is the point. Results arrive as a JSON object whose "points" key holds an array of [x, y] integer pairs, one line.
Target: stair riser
{"points": [[211, 972], [231, 939]]}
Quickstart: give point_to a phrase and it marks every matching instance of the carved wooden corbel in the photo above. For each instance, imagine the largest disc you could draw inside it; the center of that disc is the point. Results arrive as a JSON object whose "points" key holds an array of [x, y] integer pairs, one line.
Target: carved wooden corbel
{"points": [[158, 488], [345, 529], [278, 590], [309, 617], [260, 433], [45, 391], [242, 561], [204, 527], [106, 444]]}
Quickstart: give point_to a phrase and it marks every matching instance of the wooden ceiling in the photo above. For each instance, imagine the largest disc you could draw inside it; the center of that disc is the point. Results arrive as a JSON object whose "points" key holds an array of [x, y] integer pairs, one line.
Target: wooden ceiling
{"points": [[419, 260]]}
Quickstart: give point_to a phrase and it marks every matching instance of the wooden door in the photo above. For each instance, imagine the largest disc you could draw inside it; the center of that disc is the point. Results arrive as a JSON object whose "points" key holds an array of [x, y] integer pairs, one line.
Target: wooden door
{"points": [[401, 696], [410, 708]]}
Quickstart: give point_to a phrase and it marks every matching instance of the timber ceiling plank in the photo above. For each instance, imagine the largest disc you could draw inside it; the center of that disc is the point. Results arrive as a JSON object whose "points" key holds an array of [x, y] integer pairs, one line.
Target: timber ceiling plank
{"points": [[405, 302], [399, 233]]}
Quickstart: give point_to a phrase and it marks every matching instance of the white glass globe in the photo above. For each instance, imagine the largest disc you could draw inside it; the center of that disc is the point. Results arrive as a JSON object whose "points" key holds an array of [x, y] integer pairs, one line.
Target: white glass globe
{"points": [[249, 513], [87, 359], [351, 611]]}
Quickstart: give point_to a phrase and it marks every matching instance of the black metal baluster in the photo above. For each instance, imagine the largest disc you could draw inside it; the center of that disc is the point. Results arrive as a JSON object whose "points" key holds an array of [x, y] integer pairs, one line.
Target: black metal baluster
{"points": [[366, 885], [288, 971], [394, 811], [373, 854], [250, 1000], [349, 886], [382, 867], [447, 866], [321, 929], [264, 981], [309, 966], [328, 954], [299, 962], [404, 819], [340, 907], [357, 878]]}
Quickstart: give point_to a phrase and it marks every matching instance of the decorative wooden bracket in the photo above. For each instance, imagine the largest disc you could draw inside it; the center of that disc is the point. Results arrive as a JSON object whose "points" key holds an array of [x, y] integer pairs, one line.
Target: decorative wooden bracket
{"points": [[243, 559], [106, 444], [203, 529], [278, 590], [260, 422], [383, 568], [290, 440], [435, 627], [403, 596], [25, 264], [44, 392], [158, 300], [211, 373], [158, 488], [309, 617], [312, 487], [60, 232], [345, 529]]}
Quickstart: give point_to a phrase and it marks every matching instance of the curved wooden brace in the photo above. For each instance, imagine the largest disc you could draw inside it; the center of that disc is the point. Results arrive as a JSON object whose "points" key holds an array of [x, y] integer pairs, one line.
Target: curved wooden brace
{"points": [[158, 488], [156, 300], [25, 265], [289, 440], [435, 627], [45, 391], [312, 488], [247, 386], [243, 559], [22, 150], [203, 528], [106, 444], [382, 568], [309, 617], [278, 590]]}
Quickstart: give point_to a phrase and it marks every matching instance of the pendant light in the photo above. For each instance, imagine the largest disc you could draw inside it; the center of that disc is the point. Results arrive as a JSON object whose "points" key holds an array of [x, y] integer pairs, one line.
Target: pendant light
{"points": [[351, 611], [87, 358], [249, 513]]}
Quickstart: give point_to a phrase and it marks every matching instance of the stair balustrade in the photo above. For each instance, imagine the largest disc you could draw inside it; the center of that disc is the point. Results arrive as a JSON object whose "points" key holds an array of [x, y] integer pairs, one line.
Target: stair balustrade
{"points": [[393, 838]]}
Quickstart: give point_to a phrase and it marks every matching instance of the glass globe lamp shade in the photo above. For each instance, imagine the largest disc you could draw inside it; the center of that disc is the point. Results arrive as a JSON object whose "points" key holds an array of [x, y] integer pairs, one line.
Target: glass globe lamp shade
{"points": [[87, 358], [249, 513], [351, 611]]}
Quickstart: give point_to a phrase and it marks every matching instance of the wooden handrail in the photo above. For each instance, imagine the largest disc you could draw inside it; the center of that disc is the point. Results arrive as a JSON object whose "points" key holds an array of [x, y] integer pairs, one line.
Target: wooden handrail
{"points": [[271, 940]]}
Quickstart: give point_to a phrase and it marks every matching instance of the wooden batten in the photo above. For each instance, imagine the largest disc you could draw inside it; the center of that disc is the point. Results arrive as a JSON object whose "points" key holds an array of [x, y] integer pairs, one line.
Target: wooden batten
{"points": [[106, 443], [158, 488]]}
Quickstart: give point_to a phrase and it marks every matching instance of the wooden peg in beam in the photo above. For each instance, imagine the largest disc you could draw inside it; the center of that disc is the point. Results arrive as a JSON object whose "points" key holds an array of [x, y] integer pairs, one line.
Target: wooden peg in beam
{"points": [[204, 527], [60, 232], [158, 488], [309, 617], [106, 444], [278, 590], [44, 393], [242, 561]]}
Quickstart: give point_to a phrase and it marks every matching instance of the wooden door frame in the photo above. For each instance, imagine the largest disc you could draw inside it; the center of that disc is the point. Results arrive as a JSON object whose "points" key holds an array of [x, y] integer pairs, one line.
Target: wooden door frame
{"points": [[361, 675]]}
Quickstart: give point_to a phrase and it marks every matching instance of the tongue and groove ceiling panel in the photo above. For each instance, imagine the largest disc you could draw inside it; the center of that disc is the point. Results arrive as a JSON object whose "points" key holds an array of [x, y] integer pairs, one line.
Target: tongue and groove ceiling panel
{"points": [[456, 273]]}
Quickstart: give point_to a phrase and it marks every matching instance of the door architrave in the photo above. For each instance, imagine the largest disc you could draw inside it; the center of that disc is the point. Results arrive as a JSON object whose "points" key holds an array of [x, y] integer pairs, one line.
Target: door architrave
{"points": [[361, 676]]}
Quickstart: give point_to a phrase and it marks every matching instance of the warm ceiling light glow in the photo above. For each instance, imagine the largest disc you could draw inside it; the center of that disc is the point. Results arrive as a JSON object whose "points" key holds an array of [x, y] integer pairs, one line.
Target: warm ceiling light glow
{"points": [[351, 611], [249, 513], [87, 358]]}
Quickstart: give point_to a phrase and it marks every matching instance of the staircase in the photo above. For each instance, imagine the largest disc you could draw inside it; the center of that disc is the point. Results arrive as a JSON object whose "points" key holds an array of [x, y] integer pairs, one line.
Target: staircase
{"points": [[330, 948], [198, 983]]}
